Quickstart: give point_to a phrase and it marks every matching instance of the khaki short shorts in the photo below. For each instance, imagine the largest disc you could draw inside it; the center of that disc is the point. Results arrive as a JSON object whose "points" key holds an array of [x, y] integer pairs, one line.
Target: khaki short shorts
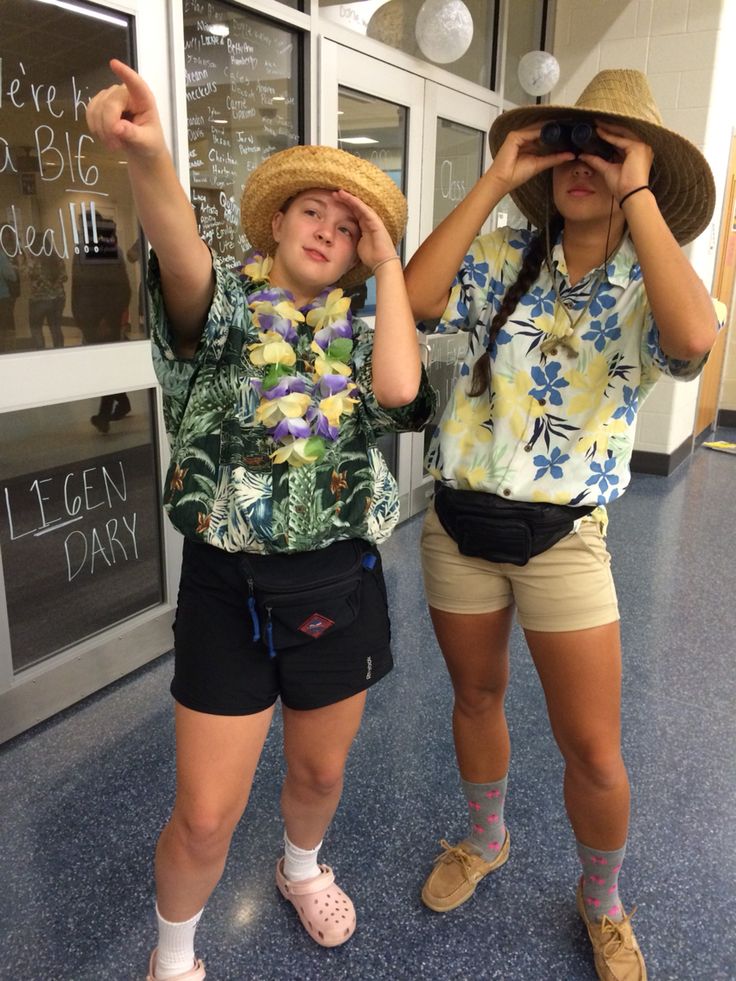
{"points": [[568, 587]]}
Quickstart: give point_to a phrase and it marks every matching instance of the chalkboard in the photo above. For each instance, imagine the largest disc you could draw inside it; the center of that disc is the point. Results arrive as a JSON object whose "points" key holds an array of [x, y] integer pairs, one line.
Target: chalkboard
{"points": [[243, 94], [80, 542], [61, 192]]}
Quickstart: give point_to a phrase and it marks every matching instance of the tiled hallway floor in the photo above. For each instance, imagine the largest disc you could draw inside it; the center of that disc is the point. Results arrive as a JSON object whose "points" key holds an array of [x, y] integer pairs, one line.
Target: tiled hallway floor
{"points": [[85, 794]]}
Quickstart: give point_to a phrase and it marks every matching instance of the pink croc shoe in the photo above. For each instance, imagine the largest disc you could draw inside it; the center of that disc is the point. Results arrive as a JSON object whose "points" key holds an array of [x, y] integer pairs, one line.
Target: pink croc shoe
{"points": [[196, 973], [327, 914]]}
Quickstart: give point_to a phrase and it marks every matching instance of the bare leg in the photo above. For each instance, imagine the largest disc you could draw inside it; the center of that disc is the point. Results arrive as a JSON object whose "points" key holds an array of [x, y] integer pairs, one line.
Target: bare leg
{"points": [[216, 758], [580, 672], [316, 747], [475, 648]]}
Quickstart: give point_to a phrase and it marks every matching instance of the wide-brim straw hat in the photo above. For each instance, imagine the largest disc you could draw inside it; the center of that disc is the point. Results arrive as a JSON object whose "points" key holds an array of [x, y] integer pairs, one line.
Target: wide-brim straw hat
{"points": [[681, 179], [300, 168]]}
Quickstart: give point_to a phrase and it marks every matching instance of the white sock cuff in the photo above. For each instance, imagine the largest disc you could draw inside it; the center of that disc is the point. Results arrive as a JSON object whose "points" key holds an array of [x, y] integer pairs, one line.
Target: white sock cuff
{"points": [[183, 923], [296, 850]]}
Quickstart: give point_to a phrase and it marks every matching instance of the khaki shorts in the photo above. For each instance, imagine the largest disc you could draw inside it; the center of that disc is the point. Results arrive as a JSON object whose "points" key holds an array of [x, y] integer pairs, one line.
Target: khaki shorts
{"points": [[568, 587]]}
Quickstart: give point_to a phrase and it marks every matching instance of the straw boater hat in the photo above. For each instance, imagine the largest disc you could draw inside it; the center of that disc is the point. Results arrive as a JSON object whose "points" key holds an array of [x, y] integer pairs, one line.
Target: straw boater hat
{"points": [[681, 178], [300, 168]]}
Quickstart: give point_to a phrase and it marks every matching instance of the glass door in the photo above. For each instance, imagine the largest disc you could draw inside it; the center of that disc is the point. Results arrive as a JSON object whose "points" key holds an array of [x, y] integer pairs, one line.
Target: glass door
{"points": [[455, 154], [432, 140], [374, 129], [375, 111], [86, 580]]}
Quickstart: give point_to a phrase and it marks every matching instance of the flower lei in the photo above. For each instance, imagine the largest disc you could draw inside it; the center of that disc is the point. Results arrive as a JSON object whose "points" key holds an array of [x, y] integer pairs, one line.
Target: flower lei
{"points": [[301, 412]]}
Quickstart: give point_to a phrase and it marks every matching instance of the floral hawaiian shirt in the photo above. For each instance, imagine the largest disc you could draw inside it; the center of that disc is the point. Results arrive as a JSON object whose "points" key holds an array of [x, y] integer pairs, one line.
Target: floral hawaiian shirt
{"points": [[559, 424], [223, 486]]}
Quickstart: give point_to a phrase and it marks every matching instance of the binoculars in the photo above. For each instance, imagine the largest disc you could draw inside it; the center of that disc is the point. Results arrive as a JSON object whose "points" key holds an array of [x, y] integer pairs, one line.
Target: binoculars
{"points": [[558, 136]]}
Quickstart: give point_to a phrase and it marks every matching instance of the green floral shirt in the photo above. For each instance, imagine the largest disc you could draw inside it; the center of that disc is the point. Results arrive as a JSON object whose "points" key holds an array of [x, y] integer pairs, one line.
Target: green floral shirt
{"points": [[222, 485]]}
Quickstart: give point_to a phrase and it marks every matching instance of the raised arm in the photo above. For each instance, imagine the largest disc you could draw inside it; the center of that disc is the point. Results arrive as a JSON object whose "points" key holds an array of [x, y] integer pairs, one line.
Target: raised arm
{"points": [[680, 303], [433, 267], [125, 118], [396, 361]]}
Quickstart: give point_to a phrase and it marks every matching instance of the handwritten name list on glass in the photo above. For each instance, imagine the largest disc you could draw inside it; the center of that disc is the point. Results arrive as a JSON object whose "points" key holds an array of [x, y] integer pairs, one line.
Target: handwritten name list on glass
{"points": [[243, 97]]}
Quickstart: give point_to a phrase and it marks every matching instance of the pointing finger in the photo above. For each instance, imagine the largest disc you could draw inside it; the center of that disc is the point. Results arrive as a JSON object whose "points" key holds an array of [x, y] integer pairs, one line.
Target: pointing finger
{"points": [[141, 96]]}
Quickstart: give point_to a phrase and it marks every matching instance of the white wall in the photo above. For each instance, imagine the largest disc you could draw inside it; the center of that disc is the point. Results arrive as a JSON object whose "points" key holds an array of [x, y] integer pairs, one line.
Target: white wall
{"points": [[683, 47], [721, 122]]}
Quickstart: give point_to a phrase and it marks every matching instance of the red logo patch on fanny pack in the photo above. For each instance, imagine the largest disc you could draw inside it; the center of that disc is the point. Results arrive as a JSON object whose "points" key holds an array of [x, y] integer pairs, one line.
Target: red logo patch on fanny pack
{"points": [[316, 624]]}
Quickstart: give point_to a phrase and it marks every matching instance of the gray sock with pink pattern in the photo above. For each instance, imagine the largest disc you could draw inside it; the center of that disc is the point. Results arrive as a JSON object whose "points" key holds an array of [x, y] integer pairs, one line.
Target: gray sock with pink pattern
{"points": [[485, 805], [600, 882]]}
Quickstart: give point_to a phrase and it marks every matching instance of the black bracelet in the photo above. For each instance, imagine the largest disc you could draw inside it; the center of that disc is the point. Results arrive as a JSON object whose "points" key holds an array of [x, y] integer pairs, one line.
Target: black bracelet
{"points": [[644, 187]]}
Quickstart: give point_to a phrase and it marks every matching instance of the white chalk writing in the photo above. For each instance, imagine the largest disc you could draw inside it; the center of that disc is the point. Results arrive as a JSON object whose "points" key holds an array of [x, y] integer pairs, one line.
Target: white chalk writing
{"points": [[84, 498]]}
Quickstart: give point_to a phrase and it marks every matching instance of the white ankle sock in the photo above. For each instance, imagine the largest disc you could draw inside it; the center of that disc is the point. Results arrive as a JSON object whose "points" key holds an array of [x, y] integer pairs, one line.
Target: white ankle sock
{"points": [[175, 953], [300, 863]]}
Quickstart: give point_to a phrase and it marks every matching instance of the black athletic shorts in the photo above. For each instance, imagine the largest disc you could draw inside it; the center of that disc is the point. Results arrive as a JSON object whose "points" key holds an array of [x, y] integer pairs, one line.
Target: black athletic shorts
{"points": [[219, 667]]}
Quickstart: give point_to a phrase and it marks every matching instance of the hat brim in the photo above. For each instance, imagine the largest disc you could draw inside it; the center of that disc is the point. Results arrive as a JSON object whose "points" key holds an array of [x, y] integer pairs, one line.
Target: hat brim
{"points": [[300, 168], [682, 184]]}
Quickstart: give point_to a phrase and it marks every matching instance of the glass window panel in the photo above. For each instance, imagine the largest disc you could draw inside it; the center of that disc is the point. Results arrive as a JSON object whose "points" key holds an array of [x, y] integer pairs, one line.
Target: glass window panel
{"points": [[524, 33], [375, 130], [446, 355], [458, 165], [388, 444], [80, 520], [67, 221], [393, 22], [243, 104], [507, 213]]}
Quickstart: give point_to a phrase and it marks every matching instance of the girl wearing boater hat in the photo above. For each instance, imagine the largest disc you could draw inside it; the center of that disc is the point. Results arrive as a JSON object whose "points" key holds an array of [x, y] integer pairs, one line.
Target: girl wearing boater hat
{"points": [[570, 324], [273, 396]]}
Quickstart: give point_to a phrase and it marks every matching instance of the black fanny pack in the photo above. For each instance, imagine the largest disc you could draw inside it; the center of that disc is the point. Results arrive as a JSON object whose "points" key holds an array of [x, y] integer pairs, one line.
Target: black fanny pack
{"points": [[298, 597], [486, 526]]}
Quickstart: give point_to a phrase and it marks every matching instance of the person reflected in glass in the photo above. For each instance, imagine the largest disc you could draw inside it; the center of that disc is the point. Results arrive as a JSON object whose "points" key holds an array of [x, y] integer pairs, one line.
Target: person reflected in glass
{"points": [[9, 291], [569, 326], [101, 288], [133, 255], [112, 408], [47, 277], [274, 396], [100, 300]]}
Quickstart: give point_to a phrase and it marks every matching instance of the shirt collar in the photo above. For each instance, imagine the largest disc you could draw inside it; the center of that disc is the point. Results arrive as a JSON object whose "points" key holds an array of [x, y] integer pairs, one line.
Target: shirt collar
{"points": [[618, 272]]}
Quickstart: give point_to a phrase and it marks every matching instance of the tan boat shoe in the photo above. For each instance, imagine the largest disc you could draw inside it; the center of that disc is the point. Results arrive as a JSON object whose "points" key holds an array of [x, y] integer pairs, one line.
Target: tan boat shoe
{"points": [[456, 873], [615, 951]]}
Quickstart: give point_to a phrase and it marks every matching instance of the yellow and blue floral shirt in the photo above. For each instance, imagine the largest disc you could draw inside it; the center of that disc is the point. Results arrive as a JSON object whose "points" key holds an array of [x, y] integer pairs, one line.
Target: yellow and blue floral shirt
{"points": [[223, 485], [559, 423]]}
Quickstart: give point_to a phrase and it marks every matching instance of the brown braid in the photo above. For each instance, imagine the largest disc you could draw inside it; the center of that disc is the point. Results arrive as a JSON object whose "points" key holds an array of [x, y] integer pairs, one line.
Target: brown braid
{"points": [[535, 253]]}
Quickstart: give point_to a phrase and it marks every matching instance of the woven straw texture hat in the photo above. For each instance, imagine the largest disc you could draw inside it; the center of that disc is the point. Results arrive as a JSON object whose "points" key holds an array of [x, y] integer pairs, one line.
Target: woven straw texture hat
{"points": [[299, 168], [681, 178]]}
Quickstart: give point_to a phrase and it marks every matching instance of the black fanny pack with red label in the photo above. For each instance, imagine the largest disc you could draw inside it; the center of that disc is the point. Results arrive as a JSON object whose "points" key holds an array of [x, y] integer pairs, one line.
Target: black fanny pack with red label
{"points": [[299, 596]]}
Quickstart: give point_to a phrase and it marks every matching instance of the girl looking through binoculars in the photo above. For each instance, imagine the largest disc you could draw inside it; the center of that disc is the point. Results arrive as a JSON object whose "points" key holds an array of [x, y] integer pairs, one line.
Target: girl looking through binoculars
{"points": [[569, 326]]}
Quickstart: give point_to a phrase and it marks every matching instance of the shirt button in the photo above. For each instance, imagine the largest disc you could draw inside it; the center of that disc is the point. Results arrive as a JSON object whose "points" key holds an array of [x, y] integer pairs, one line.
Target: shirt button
{"points": [[542, 401], [507, 492], [528, 448], [553, 352]]}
